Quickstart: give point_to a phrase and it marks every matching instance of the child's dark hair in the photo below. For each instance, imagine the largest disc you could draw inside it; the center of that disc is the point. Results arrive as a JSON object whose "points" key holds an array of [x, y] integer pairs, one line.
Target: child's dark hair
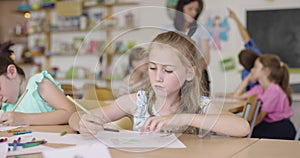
{"points": [[5, 61], [5, 48], [247, 58], [279, 72]]}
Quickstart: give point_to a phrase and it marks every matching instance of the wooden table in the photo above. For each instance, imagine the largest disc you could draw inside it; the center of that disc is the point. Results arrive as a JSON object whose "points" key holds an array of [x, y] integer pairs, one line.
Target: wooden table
{"points": [[196, 147], [271, 148], [213, 146], [230, 105]]}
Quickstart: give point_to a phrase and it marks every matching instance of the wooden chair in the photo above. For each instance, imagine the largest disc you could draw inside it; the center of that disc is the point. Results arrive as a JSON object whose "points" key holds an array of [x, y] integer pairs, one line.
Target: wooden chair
{"points": [[250, 111], [98, 94], [297, 134], [68, 89], [123, 123]]}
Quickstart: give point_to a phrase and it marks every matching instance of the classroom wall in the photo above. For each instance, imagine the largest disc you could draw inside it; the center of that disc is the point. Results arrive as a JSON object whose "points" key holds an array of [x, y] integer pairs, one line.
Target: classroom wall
{"points": [[152, 15], [221, 81]]}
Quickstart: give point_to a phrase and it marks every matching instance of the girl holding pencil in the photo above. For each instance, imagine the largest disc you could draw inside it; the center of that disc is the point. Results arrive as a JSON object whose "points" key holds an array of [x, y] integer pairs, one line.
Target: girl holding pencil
{"points": [[172, 102], [38, 100]]}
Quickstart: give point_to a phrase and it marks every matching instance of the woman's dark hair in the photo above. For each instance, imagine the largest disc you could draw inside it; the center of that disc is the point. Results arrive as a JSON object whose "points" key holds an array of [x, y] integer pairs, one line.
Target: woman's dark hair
{"points": [[179, 16], [5, 61], [247, 58]]}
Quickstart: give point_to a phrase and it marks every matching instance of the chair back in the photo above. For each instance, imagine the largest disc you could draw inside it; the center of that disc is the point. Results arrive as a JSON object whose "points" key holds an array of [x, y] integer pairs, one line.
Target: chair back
{"points": [[250, 111], [297, 134], [98, 94], [68, 89], [249, 108]]}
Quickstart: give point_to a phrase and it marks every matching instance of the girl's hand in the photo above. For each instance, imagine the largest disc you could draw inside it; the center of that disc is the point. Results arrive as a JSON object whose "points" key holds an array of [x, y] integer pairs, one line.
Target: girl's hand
{"points": [[158, 123], [231, 13], [13, 118], [90, 124]]}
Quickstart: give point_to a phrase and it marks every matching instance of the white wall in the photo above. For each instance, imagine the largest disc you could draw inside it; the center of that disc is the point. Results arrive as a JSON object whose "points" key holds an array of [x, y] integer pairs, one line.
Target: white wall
{"points": [[151, 16]]}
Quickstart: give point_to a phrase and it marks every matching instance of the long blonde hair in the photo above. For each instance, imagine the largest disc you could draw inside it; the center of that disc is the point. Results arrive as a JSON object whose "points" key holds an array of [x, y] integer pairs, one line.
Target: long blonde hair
{"points": [[189, 56]]}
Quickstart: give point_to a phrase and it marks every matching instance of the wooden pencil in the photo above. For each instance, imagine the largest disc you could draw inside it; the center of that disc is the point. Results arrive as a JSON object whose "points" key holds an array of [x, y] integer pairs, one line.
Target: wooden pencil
{"points": [[78, 105], [19, 101]]}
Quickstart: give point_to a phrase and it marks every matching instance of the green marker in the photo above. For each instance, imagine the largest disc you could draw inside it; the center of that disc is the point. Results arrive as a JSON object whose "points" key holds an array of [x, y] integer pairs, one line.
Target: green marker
{"points": [[63, 133], [30, 145]]}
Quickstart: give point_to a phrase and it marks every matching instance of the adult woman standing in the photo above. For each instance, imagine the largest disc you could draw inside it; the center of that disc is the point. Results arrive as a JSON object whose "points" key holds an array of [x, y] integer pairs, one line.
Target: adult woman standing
{"points": [[185, 21]]}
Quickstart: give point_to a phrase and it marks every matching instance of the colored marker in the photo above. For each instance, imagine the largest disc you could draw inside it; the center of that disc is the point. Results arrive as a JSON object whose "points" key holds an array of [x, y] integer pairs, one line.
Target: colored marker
{"points": [[16, 130], [63, 133], [30, 145], [23, 132], [13, 144]]}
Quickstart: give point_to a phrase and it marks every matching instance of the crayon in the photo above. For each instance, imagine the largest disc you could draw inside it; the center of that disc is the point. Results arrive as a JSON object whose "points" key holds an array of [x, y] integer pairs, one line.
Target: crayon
{"points": [[21, 144], [63, 133], [23, 132], [16, 130], [111, 130], [30, 145]]}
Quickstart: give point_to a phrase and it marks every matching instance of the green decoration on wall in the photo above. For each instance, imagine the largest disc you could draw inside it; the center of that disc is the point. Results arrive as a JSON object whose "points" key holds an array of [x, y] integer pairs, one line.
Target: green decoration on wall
{"points": [[227, 64]]}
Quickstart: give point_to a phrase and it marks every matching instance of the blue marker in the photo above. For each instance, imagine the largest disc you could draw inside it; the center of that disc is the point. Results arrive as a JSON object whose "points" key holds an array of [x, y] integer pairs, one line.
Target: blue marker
{"points": [[23, 132]]}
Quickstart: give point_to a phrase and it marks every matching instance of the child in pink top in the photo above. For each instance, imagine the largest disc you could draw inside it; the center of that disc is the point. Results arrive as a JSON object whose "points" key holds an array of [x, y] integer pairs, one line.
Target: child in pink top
{"points": [[275, 93], [275, 102]]}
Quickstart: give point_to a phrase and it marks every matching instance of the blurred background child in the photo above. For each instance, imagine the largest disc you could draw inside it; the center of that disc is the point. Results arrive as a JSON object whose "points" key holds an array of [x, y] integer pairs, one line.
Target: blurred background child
{"points": [[136, 79]]}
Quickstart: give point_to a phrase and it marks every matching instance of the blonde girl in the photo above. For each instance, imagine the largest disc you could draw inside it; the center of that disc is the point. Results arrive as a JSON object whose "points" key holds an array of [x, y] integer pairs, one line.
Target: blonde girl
{"points": [[172, 101]]}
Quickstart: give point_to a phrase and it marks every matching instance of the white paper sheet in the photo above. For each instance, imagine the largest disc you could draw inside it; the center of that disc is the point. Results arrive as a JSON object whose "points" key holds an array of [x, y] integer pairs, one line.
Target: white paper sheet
{"points": [[80, 151], [122, 139], [31, 150], [131, 139], [55, 138]]}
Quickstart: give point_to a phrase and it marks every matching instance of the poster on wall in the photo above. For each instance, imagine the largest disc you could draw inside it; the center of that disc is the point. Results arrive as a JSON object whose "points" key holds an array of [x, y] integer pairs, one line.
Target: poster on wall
{"points": [[216, 22]]}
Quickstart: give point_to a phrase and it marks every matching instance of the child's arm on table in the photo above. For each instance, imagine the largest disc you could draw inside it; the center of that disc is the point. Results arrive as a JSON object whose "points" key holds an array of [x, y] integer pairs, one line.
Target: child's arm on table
{"points": [[215, 120]]}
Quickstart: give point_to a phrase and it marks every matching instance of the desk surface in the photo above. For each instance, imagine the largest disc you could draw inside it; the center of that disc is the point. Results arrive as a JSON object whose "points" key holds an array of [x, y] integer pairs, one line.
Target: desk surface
{"points": [[271, 148], [230, 105], [196, 147], [206, 147]]}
